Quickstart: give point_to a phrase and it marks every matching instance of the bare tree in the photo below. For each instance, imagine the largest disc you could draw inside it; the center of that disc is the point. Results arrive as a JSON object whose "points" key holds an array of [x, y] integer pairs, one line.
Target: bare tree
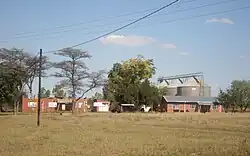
{"points": [[77, 78], [33, 63]]}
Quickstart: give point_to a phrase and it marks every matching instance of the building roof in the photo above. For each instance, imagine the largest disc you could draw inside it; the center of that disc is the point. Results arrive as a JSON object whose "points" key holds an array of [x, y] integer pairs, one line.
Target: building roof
{"points": [[193, 99]]}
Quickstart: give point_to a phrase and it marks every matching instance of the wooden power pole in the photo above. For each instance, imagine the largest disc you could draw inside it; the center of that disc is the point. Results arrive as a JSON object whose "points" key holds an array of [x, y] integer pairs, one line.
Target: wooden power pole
{"points": [[39, 88]]}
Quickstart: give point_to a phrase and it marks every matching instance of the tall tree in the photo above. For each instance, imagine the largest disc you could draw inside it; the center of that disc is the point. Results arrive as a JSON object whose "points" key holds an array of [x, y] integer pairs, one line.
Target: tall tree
{"points": [[18, 64], [33, 62], [224, 99], [236, 96], [77, 78], [125, 80]]}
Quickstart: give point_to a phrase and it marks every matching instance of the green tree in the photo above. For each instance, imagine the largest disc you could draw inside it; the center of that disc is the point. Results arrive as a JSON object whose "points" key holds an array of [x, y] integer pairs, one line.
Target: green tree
{"points": [[97, 96], [76, 77], [58, 91], [236, 96], [125, 79], [16, 66], [45, 93]]}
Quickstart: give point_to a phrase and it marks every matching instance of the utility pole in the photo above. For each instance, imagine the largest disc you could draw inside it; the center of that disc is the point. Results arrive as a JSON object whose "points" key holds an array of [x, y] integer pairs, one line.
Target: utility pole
{"points": [[39, 87]]}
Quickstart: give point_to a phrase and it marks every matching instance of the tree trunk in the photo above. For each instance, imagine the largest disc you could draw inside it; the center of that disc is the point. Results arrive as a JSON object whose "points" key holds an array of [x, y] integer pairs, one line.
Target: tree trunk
{"points": [[241, 109], [15, 109], [245, 108], [233, 109], [73, 106]]}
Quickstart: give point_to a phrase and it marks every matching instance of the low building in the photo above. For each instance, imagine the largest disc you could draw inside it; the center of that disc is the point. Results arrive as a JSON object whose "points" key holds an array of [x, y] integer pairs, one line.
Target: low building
{"points": [[189, 104], [53, 104], [101, 106]]}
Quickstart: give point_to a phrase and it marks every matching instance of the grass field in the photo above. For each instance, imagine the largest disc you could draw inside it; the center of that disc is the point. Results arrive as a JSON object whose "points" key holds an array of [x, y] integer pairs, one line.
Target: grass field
{"points": [[95, 134]]}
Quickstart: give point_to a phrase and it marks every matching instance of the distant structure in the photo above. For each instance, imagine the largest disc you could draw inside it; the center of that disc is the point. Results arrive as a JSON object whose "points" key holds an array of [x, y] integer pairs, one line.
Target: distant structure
{"points": [[191, 84]]}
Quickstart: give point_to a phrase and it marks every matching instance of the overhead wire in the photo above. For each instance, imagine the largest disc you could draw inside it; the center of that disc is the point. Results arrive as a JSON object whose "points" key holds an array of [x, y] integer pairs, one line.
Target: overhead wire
{"points": [[97, 20], [202, 15], [180, 19], [101, 25], [122, 27]]}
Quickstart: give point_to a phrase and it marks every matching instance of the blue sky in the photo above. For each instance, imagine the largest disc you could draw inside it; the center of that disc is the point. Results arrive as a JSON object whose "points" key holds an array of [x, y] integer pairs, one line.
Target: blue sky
{"points": [[217, 45]]}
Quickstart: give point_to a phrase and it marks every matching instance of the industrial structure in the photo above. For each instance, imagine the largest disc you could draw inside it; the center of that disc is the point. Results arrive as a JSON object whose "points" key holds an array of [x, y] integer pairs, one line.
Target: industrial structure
{"points": [[187, 92], [186, 85]]}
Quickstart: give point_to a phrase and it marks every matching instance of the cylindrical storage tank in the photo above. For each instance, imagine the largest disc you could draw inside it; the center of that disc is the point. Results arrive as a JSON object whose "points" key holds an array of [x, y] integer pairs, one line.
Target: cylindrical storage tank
{"points": [[207, 91], [171, 91], [188, 91]]}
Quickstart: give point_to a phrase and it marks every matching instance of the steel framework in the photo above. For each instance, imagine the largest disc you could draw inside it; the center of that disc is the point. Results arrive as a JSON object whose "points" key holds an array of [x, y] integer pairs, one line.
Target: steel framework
{"points": [[198, 77]]}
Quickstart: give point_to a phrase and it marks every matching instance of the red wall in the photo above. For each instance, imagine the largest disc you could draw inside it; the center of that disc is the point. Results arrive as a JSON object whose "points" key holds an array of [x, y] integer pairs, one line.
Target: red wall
{"points": [[44, 104]]}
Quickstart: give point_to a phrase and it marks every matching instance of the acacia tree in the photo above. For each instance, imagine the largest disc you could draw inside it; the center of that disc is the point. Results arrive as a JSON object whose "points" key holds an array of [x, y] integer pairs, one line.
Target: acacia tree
{"points": [[33, 63], [76, 76]]}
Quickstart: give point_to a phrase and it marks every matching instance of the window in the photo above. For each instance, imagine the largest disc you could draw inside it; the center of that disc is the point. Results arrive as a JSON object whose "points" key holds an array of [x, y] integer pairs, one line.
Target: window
{"points": [[193, 106], [175, 106]]}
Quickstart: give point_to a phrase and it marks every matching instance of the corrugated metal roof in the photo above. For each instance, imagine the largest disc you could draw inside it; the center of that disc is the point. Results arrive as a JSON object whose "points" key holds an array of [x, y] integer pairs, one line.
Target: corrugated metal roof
{"points": [[197, 99]]}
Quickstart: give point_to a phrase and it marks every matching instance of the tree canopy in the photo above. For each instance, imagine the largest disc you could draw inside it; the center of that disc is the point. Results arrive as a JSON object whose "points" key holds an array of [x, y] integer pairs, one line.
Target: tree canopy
{"points": [[129, 82], [77, 78], [236, 96], [18, 70]]}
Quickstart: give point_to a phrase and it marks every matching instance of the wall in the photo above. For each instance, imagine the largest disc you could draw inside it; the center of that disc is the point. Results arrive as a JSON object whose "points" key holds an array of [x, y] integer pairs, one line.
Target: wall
{"points": [[81, 104], [181, 107], [217, 108], [102, 105], [169, 107]]}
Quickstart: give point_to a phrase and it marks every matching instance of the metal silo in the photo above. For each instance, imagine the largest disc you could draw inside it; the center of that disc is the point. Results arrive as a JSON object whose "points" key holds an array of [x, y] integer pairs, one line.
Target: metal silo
{"points": [[188, 91], [171, 91], [207, 91]]}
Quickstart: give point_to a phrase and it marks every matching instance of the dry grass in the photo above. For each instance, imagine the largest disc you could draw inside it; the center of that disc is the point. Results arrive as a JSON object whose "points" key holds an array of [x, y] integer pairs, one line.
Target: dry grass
{"points": [[126, 135]]}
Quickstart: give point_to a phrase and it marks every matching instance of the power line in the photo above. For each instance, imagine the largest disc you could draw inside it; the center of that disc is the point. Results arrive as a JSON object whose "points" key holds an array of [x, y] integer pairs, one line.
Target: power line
{"points": [[120, 28], [208, 14], [168, 13], [186, 18], [97, 20]]}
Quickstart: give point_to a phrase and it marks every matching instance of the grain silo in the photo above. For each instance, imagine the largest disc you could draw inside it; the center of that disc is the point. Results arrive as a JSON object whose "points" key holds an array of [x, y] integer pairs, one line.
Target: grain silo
{"points": [[207, 91], [194, 91], [171, 90], [188, 90]]}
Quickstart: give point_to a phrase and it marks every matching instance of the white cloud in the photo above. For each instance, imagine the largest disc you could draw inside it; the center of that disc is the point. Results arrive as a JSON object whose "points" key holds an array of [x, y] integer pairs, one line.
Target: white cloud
{"points": [[168, 46], [242, 57], [127, 40], [184, 53], [222, 20], [133, 40]]}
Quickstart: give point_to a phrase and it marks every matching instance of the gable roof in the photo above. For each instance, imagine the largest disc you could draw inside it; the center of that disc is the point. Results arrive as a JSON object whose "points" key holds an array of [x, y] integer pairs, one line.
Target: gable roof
{"points": [[194, 99]]}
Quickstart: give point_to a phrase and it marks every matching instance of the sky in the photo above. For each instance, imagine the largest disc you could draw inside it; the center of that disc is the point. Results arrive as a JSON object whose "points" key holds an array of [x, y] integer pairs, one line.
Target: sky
{"points": [[211, 39]]}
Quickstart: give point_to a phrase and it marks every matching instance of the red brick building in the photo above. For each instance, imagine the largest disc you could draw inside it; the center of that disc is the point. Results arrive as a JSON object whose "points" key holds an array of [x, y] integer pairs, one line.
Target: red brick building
{"points": [[189, 104], [52, 104]]}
